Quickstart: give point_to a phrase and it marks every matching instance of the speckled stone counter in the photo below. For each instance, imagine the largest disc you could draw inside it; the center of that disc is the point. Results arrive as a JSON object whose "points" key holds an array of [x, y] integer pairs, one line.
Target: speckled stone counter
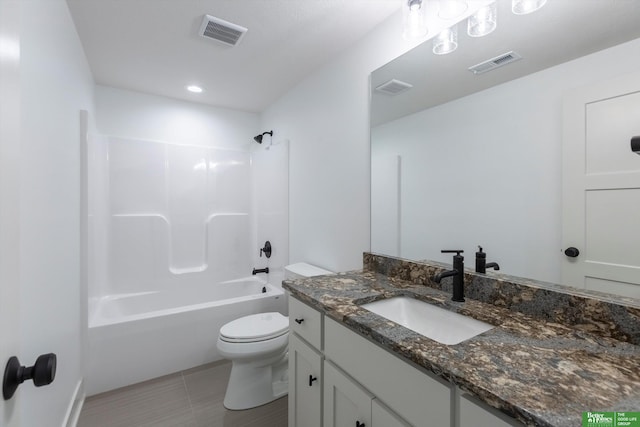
{"points": [[542, 372]]}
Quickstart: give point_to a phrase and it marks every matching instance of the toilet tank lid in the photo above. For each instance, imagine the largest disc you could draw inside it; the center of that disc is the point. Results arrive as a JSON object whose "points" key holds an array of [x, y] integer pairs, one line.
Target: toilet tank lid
{"points": [[306, 270]]}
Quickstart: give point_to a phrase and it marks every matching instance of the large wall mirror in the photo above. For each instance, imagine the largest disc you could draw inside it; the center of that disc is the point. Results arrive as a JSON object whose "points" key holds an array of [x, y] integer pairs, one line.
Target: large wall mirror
{"points": [[463, 159]]}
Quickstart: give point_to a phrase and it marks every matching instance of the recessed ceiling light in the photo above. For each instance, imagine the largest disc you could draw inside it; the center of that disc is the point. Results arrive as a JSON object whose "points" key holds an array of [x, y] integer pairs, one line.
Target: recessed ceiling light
{"points": [[194, 89]]}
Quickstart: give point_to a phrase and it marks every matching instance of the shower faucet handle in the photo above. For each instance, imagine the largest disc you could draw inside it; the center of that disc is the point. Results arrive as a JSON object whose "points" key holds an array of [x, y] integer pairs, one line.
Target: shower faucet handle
{"points": [[266, 250]]}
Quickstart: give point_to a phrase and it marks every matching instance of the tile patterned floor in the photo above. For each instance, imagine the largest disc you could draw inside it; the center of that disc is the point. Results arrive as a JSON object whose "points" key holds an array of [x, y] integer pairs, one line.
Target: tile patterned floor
{"points": [[191, 398]]}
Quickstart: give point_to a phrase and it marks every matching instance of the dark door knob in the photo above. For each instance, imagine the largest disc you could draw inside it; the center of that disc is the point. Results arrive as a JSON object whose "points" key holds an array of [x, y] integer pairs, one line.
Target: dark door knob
{"points": [[572, 252], [42, 373]]}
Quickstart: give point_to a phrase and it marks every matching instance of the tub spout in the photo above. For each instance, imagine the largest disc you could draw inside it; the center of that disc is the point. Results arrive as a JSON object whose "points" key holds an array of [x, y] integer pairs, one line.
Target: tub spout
{"points": [[260, 270]]}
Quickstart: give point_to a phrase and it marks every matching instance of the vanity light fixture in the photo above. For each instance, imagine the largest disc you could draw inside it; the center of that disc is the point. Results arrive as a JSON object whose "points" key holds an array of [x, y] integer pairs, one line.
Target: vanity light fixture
{"points": [[446, 41], [414, 19], [483, 21], [522, 7], [194, 89]]}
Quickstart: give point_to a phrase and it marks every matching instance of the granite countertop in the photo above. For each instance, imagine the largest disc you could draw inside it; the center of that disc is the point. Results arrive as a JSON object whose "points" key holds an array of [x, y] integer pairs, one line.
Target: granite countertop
{"points": [[540, 372]]}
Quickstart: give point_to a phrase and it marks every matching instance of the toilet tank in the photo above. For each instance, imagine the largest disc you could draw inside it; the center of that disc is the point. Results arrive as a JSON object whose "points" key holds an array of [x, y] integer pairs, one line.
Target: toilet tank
{"points": [[301, 270]]}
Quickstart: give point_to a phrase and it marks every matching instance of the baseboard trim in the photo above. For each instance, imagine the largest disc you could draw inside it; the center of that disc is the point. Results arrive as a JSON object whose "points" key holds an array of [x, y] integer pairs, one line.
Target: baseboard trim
{"points": [[75, 406]]}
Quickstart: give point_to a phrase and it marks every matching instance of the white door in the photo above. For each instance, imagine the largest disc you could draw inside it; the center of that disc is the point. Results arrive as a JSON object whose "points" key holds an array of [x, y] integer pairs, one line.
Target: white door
{"points": [[9, 195], [601, 188]]}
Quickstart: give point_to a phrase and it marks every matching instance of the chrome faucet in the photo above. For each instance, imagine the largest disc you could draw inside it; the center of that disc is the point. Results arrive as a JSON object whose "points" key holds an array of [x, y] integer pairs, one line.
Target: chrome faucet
{"points": [[457, 273]]}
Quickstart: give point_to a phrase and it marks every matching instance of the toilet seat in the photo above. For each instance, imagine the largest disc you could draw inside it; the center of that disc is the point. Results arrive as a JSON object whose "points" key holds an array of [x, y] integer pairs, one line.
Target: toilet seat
{"points": [[255, 328]]}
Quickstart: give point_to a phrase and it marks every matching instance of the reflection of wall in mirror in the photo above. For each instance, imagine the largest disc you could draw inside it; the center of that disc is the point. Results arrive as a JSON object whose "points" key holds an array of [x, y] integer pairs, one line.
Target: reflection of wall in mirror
{"points": [[486, 170]]}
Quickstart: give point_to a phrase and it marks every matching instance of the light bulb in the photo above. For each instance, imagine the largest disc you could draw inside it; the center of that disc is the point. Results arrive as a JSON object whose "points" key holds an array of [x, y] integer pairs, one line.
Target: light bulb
{"points": [[446, 41], [415, 23], [483, 21], [522, 7]]}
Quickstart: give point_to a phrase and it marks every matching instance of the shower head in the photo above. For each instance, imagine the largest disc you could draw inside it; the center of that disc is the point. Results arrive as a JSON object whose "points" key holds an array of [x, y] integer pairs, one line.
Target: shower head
{"points": [[258, 138]]}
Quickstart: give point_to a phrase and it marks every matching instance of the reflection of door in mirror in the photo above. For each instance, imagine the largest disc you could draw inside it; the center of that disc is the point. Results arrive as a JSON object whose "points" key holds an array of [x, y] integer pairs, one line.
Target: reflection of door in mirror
{"points": [[602, 187]]}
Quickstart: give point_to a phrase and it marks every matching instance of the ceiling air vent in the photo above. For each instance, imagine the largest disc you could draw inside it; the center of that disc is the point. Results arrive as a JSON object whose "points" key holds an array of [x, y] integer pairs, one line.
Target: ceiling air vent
{"points": [[493, 63], [393, 87], [221, 30]]}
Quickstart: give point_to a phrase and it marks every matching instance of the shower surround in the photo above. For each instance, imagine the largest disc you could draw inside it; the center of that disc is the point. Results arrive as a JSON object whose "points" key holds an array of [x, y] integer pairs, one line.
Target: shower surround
{"points": [[175, 223]]}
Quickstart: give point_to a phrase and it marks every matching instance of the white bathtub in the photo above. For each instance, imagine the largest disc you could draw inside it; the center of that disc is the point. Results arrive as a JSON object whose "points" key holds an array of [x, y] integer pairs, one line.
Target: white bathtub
{"points": [[135, 337]]}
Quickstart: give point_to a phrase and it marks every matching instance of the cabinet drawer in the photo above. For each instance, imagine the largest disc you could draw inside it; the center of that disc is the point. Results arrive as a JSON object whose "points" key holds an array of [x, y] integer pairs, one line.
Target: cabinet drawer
{"points": [[410, 392], [474, 414], [381, 416], [306, 322]]}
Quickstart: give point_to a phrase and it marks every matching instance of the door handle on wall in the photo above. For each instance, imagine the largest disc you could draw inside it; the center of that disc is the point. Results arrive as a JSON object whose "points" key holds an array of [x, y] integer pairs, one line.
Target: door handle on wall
{"points": [[43, 372], [635, 144]]}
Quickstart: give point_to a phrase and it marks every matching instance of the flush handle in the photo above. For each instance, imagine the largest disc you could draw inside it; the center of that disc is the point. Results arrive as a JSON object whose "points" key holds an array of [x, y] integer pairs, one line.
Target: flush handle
{"points": [[299, 321], [572, 252], [312, 379], [43, 372]]}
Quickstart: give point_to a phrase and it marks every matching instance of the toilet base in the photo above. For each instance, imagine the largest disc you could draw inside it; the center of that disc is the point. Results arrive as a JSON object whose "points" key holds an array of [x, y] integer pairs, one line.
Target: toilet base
{"points": [[251, 384]]}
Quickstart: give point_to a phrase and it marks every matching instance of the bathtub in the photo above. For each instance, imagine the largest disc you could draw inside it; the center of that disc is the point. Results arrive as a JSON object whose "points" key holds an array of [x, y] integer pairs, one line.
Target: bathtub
{"points": [[136, 337]]}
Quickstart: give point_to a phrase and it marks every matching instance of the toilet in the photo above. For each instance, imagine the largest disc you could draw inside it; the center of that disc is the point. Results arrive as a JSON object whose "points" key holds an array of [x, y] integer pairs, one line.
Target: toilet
{"points": [[257, 346]]}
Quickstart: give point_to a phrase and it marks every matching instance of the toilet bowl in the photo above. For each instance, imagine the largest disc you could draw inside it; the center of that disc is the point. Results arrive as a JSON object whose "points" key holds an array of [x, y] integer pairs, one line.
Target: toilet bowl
{"points": [[257, 347]]}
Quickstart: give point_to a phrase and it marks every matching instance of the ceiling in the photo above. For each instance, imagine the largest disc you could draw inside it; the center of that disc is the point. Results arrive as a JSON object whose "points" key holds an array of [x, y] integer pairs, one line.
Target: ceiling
{"points": [[562, 30], [153, 46]]}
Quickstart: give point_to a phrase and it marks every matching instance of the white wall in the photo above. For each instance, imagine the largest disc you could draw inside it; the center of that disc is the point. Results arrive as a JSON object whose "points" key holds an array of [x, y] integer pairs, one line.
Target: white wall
{"points": [[136, 115], [56, 85], [487, 169], [326, 120]]}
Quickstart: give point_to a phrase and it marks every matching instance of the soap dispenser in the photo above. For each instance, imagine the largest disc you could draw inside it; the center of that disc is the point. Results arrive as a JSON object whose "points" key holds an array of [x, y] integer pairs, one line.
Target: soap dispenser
{"points": [[481, 261]]}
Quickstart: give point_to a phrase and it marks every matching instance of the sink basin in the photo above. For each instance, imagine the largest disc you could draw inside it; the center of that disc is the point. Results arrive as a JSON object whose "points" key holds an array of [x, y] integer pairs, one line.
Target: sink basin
{"points": [[429, 320]]}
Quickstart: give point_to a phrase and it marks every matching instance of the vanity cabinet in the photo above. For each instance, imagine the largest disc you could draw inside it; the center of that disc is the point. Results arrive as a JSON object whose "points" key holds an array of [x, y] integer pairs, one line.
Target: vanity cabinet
{"points": [[339, 378]]}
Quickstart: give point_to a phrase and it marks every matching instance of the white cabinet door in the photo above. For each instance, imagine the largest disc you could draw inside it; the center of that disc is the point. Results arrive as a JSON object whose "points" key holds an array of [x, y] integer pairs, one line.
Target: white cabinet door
{"points": [[305, 384], [381, 416], [601, 187], [346, 404]]}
